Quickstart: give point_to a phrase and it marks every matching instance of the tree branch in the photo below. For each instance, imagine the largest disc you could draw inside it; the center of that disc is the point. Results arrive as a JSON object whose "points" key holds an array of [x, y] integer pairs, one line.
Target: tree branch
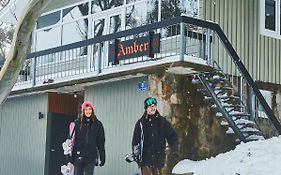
{"points": [[20, 46]]}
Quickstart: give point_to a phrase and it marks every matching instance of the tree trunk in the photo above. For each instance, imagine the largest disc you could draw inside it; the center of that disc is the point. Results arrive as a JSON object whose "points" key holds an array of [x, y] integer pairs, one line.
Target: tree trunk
{"points": [[20, 46]]}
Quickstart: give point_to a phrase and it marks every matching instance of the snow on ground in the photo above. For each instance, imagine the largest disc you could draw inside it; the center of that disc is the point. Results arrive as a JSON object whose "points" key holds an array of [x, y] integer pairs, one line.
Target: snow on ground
{"points": [[252, 158]]}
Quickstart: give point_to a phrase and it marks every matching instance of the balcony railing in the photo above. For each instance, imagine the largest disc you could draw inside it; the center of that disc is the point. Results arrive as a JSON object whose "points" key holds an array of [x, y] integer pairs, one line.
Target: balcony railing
{"points": [[178, 40]]}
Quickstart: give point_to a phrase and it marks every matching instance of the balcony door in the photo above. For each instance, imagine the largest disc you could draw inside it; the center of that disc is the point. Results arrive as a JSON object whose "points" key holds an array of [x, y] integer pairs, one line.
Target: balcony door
{"points": [[107, 22], [104, 23]]}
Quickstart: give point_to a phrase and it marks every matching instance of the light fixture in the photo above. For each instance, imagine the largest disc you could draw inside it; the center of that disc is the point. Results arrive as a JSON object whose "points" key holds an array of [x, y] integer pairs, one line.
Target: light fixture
{"points": [[40, 115], [75, 95]]}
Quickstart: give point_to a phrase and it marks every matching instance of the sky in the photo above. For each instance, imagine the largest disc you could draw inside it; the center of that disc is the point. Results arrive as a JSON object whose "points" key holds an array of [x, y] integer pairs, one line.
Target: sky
{"points": [[252, 158]]}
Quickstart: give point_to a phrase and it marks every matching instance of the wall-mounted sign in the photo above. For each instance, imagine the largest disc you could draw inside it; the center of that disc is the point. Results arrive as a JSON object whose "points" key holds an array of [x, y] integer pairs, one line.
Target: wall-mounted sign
{"points": [[121, 50], [142, 86]]}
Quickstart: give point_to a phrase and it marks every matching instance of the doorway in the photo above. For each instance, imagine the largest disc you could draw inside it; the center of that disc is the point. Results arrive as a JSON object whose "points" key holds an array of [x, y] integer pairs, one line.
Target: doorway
{"points": [[62, 109]]}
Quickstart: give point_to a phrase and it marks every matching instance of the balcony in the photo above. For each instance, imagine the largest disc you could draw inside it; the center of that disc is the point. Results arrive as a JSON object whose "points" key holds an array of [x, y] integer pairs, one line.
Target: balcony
{"points": [[168, 43]]}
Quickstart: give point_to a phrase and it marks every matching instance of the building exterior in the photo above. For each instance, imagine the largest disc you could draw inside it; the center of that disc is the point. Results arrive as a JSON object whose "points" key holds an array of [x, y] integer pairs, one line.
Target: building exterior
{"points": [[116, 53]]}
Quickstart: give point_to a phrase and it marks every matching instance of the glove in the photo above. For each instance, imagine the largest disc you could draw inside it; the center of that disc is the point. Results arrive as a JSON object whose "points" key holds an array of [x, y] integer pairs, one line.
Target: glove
{"points": [[101, 163]]}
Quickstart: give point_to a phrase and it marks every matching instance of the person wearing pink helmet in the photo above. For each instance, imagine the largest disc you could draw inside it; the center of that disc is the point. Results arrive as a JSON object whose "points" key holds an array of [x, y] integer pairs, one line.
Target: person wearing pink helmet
{"points": [[88, 150]]}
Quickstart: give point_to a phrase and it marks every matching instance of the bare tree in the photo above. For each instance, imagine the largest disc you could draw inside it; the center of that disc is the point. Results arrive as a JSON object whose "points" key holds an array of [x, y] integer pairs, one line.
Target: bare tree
{"points": [[6, 37], [20, 46]]}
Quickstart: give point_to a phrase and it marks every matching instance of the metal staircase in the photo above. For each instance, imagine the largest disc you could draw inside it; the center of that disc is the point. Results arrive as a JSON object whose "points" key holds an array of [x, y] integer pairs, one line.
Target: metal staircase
{"points": [[229, 107]]}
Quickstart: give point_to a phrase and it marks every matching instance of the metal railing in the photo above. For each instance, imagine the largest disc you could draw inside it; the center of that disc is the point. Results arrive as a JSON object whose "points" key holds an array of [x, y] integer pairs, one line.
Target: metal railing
{"points": [[177, 40]]}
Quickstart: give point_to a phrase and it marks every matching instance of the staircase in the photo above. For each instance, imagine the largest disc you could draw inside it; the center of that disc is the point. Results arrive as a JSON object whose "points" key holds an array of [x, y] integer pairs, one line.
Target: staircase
{"points": [[228, 106]]}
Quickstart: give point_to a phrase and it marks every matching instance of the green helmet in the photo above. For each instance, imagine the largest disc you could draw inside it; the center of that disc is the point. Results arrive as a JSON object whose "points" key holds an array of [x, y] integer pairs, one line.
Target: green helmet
{"points": [[149, 101]]}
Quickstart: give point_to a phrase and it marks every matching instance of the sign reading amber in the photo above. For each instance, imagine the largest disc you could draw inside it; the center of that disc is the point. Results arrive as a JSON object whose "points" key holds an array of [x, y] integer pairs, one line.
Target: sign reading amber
{"points": [[121, 50]]}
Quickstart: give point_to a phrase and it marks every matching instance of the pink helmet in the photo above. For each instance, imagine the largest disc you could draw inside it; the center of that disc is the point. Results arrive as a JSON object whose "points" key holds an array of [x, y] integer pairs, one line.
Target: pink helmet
{"points": [[86, 104]]}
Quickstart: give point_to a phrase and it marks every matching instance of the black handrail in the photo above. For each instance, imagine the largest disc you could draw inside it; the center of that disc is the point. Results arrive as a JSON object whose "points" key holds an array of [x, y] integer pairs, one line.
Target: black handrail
{"points": [[189, 20], [237, 61]]}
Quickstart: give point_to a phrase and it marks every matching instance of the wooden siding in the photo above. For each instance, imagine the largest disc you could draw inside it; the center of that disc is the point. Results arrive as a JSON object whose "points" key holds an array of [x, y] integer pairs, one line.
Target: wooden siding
{"points": [[118, 105], [240, 21], [23, 135], [62, 103]]}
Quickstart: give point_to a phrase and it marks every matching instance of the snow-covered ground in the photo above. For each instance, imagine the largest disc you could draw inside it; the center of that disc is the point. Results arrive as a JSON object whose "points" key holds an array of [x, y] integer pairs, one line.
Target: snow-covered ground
{"points": [[253, 158]]}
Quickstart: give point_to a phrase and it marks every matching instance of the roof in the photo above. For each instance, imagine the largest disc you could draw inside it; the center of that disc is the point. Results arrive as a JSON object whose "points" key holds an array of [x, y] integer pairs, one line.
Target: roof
{"points": [[10, 14]]}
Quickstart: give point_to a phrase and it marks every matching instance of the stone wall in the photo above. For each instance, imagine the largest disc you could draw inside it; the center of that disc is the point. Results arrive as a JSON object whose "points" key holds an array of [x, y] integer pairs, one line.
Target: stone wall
{"points": [[199, 130]]}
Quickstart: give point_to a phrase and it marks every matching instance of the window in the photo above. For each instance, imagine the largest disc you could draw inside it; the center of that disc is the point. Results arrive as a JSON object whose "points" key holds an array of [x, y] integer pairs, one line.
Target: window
{"points": [[48, 20], [136, 15], [76, 12], [101, 5], [270, 18], [267, 95], [171, 8]]}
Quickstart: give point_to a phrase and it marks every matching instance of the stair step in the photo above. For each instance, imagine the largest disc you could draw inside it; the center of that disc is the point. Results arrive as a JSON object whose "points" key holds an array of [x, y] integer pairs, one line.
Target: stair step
{"points": [[227, 106], [220, 93], [249, 133], [195, 81], [238, 113], [229, 131], [204, 91], [223, 88], [216, 79], [241, 123], [254, 137], [244, 122], [234, 115], [222, 98], [250, 130], [224, 123], [227, 96], [219, 114]]}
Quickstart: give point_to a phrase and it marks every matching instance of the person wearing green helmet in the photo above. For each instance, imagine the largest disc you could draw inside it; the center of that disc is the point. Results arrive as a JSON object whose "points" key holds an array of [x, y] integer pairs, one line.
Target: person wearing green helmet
{"points": [[151, 133]]}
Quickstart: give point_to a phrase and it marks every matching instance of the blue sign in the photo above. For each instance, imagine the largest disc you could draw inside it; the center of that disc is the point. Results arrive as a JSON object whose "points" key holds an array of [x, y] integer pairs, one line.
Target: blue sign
{"points": [[142, 86]]}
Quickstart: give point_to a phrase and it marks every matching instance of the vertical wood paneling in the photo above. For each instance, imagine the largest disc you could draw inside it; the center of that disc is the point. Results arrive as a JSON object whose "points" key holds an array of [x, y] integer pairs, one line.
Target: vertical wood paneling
{"points": [[278, 66], [118, 105], [239, 19], [23, 135]]}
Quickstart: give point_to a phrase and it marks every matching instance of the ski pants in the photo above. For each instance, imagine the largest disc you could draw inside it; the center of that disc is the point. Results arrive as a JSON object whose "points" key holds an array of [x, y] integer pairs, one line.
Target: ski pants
{"points": [[147, 170], [82, 167]]}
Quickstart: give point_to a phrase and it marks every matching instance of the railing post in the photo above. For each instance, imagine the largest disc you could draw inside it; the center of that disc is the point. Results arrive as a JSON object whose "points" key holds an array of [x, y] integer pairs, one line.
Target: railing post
{"points": [[99, 58], [207, 40], [34, 60], [252, 105], [241, 90], [150, 47], [90, 58], [182, 41]]}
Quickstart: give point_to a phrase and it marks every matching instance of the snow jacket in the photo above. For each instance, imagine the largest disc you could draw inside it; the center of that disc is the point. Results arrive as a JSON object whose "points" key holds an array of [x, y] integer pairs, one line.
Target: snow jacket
{"points": [[89, 141], [156, 131]]}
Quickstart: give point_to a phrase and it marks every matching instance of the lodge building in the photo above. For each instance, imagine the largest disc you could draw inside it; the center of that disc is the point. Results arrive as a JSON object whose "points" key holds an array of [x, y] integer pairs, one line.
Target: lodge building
{"points": [[192, 55]]}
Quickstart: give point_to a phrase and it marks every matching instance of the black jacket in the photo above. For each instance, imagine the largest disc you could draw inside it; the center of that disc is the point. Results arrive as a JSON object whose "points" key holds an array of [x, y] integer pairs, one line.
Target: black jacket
{"points": [[89, 141], [156, 130]]}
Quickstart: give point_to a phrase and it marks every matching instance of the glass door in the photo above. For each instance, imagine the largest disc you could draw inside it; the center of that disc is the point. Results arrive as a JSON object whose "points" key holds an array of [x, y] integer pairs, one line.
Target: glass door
{"points": [[103, 23]]}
